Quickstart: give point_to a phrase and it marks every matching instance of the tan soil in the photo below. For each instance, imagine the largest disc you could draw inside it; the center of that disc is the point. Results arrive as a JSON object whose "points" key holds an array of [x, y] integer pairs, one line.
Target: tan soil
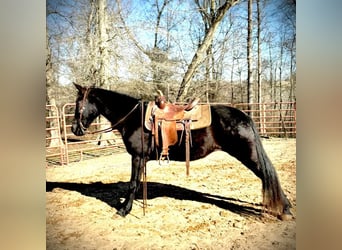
{"points": [[216, 207]]}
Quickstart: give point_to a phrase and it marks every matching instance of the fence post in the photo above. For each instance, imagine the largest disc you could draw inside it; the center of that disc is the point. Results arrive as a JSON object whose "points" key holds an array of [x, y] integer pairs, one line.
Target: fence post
{"points": [[263, 119], [66, 152], [282, 119]]}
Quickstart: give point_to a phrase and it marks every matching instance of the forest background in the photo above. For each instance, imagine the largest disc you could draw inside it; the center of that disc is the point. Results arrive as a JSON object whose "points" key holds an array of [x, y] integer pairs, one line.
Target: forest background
{"points": [[221, 51]]}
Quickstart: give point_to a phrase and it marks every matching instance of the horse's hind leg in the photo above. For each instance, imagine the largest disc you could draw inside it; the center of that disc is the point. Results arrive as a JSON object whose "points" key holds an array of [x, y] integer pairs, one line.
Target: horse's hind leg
{"points": [[134, 184], [247, 148]]}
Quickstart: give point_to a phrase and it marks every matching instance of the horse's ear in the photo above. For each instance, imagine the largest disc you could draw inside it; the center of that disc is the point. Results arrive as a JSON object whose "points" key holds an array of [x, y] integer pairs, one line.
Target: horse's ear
{"points": [[79, 87]]}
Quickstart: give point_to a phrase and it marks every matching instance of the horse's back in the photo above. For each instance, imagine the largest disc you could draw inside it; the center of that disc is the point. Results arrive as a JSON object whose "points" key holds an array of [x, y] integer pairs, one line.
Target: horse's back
{"points": [[228, 115], [226, 125]]}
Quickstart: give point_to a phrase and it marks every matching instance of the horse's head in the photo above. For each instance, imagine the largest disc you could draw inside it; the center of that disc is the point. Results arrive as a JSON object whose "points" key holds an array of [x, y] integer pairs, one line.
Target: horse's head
{"points": [[86, 110]]}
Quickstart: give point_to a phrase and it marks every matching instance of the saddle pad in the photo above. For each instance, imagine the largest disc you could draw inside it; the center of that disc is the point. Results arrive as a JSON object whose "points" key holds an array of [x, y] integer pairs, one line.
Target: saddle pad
{"points": [[200, 116]]}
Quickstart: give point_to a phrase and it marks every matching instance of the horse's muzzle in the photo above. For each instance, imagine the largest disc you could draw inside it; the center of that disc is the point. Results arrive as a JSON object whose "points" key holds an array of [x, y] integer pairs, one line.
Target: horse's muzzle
{"points": [[77, 129]]}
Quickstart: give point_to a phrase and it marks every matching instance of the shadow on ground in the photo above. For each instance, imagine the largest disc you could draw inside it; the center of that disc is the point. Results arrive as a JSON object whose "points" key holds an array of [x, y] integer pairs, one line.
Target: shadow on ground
{"points": [[111, 194]]}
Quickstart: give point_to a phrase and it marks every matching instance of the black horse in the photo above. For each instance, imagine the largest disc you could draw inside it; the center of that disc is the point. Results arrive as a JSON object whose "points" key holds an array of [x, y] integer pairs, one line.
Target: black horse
{"points": [[231, 130]]}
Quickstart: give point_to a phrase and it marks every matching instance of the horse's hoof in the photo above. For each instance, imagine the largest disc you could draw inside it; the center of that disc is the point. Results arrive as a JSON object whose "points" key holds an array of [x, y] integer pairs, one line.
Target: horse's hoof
{"points": [[285, 217], [121, 212]]}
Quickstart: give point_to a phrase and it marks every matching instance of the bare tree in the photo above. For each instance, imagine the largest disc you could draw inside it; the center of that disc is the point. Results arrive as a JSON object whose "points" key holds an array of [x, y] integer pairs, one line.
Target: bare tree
{"points": [[217, 14], [161, 64], [288, 18], [94, 55], [51, 82], [207, 11], [159, 55]]}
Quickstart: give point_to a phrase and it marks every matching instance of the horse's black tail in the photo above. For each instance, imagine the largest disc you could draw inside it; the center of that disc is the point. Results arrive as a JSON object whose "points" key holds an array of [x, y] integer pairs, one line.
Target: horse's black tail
{"points": [[274, 199]]}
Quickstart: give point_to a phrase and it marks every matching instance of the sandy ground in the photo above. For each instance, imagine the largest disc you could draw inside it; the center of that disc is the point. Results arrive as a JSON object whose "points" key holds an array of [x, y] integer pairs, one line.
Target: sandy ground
{"points": [[216, 207]]}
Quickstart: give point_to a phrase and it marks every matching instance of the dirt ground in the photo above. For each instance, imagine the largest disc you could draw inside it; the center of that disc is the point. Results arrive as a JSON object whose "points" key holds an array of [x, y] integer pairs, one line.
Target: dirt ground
{"points": [[216, 207]]}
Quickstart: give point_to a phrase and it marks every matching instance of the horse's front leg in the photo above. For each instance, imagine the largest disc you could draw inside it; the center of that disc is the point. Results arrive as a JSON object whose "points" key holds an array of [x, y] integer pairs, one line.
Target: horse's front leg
{"points": [[137, 167]]}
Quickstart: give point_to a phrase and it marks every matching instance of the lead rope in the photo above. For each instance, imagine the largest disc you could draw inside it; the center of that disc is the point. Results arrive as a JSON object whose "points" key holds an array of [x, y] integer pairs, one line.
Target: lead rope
{"points": [[143, 159]]}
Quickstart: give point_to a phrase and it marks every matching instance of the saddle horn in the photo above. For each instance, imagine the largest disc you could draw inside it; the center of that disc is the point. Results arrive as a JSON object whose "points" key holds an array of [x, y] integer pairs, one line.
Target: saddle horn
{"points": [[160, 92], [160, 100]]}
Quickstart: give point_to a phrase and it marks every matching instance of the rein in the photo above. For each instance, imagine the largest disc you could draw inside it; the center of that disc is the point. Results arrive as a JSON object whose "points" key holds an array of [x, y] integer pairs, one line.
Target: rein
{"points": [[111, 128]]}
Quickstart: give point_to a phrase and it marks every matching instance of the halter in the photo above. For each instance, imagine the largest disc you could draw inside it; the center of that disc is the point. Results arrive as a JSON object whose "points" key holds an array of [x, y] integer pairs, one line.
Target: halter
{"points": [[106, 130]]}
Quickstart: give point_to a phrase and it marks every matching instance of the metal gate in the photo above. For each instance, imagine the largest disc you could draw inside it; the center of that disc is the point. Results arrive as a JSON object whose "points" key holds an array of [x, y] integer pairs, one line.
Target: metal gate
{"points": [[272, 119], [88, 146], [53, 140]]}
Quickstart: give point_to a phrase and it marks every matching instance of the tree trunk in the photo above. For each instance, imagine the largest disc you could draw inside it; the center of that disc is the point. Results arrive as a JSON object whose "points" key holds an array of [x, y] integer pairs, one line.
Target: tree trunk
{"points": [[260, 105], [90, 48], [231, 83], [103, 46], [250, 93], [48, 70], [271, 72], [105, 138], [275, 87], [280, 72], [259, 51]]}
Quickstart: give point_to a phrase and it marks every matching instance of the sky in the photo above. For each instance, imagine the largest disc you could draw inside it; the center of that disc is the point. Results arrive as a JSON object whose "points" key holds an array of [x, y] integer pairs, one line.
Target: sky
{"points": [[138, 18]]}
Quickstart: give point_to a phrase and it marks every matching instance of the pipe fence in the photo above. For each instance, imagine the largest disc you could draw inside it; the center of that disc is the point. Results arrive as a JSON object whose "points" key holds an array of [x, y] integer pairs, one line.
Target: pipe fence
{"points": [[63, 147], [277, 119]]}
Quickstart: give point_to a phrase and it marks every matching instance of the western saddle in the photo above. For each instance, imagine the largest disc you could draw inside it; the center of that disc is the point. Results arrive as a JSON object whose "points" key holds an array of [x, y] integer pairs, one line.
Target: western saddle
{"points": [[164, 119]]}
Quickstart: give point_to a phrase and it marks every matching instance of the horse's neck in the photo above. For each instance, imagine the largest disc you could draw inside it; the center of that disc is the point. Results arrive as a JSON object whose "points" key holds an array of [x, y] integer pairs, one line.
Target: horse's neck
{"points": [[115, 106]]}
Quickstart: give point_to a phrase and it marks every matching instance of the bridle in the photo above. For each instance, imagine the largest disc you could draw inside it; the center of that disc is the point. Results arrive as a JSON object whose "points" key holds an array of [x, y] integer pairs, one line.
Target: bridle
{"points": [[106, 130], [82, 108]]}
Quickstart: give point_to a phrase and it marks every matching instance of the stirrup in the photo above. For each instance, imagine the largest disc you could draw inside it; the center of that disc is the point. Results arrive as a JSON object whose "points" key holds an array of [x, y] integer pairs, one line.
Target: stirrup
{"points": [[163, 157]]}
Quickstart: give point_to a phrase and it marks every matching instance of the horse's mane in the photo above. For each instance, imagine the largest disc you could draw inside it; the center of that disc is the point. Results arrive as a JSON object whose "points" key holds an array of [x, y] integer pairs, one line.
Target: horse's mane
{"points": [[114, 96]]}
